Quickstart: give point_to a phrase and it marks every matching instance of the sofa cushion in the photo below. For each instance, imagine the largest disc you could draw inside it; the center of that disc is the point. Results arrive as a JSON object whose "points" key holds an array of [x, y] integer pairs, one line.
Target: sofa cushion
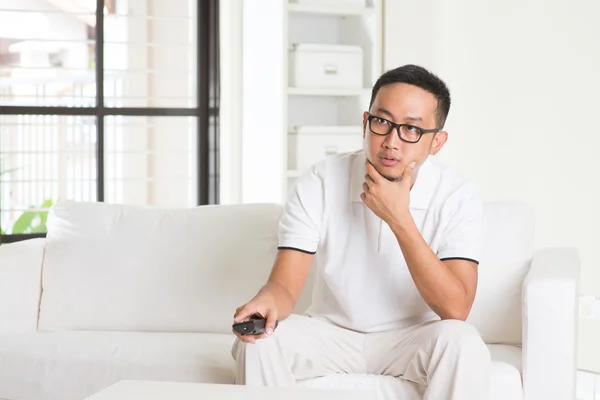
{"points": [[505, 379], [506, 375], [20, 285], [74, 365], [132, 268], [507, 253]]}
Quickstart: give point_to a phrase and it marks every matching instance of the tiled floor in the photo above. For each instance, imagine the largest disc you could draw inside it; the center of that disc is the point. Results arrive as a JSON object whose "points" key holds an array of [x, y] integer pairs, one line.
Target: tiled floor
{"points": [[588, 386]]}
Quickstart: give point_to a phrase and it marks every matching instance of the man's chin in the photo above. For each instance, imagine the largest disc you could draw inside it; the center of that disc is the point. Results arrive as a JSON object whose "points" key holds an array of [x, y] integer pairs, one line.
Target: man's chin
{"points": [[392, 178], [387, 171], [389, 174]]}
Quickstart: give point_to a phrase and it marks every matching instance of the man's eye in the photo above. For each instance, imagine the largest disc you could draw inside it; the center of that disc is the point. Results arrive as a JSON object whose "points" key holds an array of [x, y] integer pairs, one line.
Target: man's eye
{"points": [[412, 129], [380, 121]]}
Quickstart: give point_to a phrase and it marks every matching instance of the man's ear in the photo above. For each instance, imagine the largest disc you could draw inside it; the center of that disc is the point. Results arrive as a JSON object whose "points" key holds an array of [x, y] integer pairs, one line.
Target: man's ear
{"points": [[439, 139], [365, 116]]}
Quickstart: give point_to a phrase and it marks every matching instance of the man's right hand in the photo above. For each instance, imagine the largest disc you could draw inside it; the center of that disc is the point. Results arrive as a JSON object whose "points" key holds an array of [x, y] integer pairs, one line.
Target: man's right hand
{"points": [[278, 297], [263, 304]]}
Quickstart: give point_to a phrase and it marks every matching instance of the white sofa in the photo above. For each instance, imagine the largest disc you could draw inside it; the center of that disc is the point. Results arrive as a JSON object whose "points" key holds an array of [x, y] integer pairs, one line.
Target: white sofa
{"points": [[120, 292]]}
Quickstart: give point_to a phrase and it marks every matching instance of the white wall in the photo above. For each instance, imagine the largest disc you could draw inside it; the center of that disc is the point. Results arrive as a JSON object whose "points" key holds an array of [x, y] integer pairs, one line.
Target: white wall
{"points": [[524, 76]]}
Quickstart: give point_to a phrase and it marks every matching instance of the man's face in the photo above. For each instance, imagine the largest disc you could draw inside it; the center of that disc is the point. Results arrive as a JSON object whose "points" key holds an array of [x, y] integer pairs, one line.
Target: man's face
{"points": [[402, 103]]}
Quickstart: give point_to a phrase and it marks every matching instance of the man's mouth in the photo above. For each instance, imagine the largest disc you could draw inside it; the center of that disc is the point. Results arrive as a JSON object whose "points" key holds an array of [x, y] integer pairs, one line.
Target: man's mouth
{"points": [[388, 161]]}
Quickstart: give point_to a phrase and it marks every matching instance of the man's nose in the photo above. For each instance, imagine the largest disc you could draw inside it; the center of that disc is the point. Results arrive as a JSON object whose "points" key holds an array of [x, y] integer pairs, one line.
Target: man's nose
{"points": [[392, 140]]}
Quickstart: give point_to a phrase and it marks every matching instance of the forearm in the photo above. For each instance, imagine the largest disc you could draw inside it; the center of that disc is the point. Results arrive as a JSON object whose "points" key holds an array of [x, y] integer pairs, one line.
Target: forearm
{"points": [[287, 280], [440, 288], [283, 299]]}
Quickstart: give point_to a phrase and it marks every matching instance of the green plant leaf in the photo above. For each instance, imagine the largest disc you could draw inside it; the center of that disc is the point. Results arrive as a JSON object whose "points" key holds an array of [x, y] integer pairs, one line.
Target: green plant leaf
{"points": [[44, 217], [47, 203], [44, 214], [8, 171], [41, 228], [23, 223]]}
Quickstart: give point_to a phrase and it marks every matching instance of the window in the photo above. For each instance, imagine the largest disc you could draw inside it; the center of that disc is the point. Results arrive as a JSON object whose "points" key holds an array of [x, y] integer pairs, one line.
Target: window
{"points": [[106, 100]]}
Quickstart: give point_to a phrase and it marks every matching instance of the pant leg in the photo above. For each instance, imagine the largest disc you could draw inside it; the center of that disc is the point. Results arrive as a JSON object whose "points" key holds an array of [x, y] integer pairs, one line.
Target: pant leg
{"points": [[300, 348], [448, 357]]}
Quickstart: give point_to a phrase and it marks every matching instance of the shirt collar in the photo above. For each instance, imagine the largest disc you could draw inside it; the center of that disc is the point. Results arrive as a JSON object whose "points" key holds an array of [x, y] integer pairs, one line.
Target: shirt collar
{"points": [[421, 193]]}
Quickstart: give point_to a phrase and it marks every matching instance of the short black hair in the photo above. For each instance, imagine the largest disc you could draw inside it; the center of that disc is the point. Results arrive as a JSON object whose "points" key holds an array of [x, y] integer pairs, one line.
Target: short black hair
{"points": [[422, 78]]}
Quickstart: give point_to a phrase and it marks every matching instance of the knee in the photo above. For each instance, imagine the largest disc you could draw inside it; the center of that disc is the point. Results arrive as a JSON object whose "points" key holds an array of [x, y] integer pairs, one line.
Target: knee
{"points": [[238, 349], [464, 337], [453, 329], [242, 350]]}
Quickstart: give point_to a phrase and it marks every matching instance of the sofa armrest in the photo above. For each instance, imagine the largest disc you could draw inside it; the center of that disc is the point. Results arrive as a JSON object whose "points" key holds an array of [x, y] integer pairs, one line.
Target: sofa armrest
{"points": [[20, 285], [550, 324]]}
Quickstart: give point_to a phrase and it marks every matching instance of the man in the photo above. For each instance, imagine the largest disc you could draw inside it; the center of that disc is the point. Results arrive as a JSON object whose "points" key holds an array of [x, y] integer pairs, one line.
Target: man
{"points": [[395, 239]]}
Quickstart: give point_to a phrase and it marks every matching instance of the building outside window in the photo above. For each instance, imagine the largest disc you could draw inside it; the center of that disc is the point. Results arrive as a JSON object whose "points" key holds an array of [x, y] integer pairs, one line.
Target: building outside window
{"points": [[106, 100]]}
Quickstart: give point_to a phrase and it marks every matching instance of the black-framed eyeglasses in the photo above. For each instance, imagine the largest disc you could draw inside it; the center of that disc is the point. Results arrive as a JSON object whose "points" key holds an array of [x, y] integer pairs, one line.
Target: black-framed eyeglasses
{"points": [[409, 133]]}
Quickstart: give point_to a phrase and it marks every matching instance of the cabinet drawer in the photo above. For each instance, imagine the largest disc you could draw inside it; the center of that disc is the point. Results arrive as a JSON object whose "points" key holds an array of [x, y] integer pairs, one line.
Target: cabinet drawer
{"points": [[325, 66], [308, 145]]}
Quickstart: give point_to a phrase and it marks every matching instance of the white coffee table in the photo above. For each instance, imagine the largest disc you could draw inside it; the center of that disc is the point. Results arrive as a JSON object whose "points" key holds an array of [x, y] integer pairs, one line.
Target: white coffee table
{"points": [[150, 390]]}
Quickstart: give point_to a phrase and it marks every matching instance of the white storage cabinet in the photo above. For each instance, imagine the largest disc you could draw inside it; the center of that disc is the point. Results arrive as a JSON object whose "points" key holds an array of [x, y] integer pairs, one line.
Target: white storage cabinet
{"points": [[325, 66], [309, 145]]}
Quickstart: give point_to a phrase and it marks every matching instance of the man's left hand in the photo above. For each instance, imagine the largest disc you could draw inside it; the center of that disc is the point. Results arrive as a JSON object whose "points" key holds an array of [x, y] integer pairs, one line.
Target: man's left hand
{"points": [[388, 200]]}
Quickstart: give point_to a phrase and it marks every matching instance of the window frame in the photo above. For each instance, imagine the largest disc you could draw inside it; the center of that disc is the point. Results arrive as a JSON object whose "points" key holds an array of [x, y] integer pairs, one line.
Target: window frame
{"points": [[206, 110]]}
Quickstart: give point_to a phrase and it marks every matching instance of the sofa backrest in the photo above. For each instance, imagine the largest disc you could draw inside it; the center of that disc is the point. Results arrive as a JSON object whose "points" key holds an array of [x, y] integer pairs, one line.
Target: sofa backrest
{"points": [[114, 267], [20, 269], [507, 253]]}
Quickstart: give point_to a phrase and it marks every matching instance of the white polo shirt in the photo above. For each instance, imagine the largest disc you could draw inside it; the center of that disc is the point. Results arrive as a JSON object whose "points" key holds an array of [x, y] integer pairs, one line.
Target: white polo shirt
{"points": [[362, 281]]}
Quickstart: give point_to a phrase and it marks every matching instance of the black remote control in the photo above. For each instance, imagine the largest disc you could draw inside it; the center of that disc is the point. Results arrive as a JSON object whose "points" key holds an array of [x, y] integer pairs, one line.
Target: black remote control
{"points": [[254, 326]]}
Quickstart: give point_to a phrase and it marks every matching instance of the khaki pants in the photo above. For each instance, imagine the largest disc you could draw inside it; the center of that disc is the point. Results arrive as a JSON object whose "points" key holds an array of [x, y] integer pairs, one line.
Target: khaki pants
{"points": [[446, 358]]}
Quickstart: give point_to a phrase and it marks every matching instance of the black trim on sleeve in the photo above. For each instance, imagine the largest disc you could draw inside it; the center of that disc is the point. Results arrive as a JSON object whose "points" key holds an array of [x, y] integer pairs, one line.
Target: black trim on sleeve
{"points": [[293, 248], [460, 258]]}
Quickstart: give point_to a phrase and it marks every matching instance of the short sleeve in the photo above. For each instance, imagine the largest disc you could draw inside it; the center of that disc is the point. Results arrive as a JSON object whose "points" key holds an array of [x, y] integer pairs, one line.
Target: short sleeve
{"points": [[300, 224], [463, 222]]}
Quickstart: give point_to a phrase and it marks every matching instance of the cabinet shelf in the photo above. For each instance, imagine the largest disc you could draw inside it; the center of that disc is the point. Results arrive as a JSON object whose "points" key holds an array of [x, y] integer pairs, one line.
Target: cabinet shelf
{"points": [[330, 10], [296, 91]]}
